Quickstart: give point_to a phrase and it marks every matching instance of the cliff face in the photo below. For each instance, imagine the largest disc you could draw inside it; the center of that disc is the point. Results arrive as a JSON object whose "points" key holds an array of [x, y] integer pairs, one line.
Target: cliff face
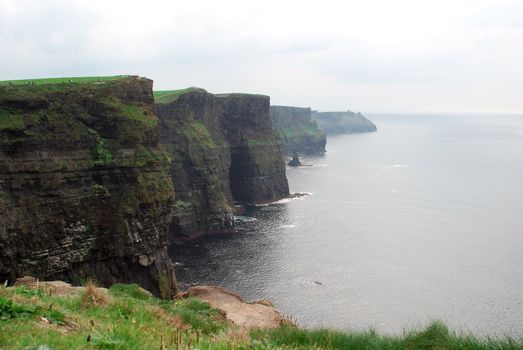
{"points": [[257, 171], [84, 188], [342, 122], [223, 150], [299, 134], [190, 131]]}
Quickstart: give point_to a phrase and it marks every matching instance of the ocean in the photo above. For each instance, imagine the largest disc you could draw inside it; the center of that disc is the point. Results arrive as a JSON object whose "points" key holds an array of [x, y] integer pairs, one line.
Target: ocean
{"points": [[419, 221]]}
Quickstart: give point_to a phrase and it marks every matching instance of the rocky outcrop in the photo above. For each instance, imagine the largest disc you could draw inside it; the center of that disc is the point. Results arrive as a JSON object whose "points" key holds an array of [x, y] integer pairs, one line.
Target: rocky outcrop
{"points": [[224, 151], [84, 188], [258, 314], [342, 122], [295, 161], [298, 133]]}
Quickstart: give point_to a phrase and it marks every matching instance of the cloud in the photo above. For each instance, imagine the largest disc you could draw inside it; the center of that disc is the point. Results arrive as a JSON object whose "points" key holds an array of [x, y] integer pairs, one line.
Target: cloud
{"points": [[374, 54], [502, 15]]}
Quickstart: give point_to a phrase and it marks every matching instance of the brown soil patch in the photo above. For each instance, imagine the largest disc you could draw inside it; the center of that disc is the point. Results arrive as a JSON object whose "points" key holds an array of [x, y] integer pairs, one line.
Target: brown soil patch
{"points": [[249, 315]]}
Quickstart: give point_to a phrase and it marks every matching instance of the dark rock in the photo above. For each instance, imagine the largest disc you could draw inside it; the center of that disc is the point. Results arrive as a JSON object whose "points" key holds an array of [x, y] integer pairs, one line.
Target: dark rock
{"points": [[84, 188], [295, 161], [257, 172], [191, 132], [223, 150]]}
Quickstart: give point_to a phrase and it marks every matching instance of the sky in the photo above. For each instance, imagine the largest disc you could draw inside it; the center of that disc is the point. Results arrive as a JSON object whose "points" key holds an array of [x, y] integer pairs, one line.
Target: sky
{"points": [[365, 55]]}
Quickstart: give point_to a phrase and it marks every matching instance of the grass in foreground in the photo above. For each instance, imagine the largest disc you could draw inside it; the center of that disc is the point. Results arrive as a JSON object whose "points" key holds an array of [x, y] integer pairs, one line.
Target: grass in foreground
{"points": [[128, 318]]}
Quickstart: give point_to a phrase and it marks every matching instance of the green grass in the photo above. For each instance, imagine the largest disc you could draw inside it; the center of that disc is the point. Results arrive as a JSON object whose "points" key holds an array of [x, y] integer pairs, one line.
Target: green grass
{"points": [[132, 320], [131, 112], [180, 207], [10, 120], [81, 80], [435, 336], [37, 319], [266, 141], [100, 153], [168, 96], [301, 130]]}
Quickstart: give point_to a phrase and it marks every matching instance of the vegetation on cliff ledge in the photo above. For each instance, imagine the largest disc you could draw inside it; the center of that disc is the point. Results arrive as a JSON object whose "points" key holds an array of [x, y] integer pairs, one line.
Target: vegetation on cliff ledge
{"points": [[127, 317], [310, 130]]}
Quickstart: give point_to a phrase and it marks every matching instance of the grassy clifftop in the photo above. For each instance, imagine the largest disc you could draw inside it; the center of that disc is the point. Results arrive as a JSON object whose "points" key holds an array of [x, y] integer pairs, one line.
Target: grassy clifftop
{"points": [[168, 96], [79, 80], [127, 317]]}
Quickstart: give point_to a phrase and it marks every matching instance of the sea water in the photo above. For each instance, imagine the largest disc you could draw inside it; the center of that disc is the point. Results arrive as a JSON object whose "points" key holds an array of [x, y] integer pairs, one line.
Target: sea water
{"points": [[420, 221]]}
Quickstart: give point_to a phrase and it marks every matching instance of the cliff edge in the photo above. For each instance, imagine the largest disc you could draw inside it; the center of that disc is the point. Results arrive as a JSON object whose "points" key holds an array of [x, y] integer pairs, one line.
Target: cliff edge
{"points": [[343, 122]]}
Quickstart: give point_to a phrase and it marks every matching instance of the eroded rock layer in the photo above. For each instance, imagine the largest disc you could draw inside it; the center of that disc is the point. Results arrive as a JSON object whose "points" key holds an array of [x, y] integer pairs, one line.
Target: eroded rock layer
{"points": [[224, 151], [84, 189]]}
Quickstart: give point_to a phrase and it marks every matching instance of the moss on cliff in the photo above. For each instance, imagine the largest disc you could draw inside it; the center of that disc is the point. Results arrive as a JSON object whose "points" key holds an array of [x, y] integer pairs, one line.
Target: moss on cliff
{"points": [[131, 111], [198, 135], [100, 153], [202, 205], [154, 188], [308, 129], [84, 154]]}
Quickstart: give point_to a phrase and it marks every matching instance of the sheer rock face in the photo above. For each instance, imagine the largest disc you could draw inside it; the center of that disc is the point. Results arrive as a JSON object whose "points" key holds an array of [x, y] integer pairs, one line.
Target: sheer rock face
{"points": [[191, 132], [257, 172], [343, 122], [298, 133], [84, 188], [224, 151]]}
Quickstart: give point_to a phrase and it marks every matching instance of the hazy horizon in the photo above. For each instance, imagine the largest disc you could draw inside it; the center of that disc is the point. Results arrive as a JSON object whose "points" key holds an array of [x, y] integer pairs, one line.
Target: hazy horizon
{"points": [[375, 56]]}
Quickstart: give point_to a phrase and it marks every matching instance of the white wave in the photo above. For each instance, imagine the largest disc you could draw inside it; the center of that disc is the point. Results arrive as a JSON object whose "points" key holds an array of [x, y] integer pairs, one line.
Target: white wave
{"points": [[282, 201], [288, 226], [241, 218]]}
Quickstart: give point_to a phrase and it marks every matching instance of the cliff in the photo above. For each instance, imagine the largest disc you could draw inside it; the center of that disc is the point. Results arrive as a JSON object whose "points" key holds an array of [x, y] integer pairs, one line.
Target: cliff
{"points": [[342, 122], [191, 132], [257, 171], [84, 188], [298, 132], [224, 151]]}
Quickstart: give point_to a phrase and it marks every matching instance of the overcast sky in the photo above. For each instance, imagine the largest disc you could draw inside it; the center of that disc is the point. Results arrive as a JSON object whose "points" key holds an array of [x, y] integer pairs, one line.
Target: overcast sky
{"points": [[366, 55]]}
